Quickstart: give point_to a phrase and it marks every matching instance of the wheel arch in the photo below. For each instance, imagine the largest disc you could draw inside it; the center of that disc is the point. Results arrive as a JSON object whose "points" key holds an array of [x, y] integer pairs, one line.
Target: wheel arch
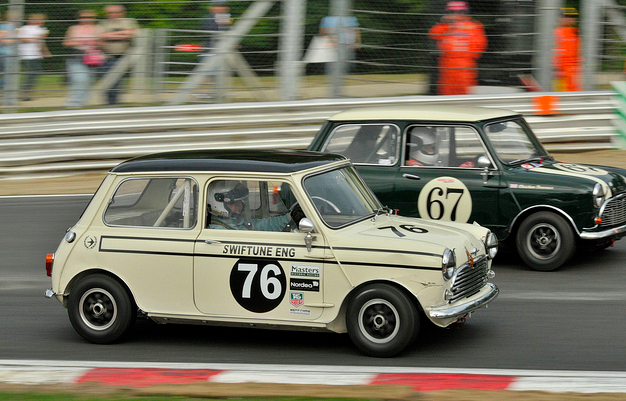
{"points": [[89, 272], [339, 324], [521, 216]]}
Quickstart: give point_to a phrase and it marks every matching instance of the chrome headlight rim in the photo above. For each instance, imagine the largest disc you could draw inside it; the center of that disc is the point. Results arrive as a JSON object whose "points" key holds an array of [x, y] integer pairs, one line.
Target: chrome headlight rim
{"points": [[599, 196], [448, 263], [491, 245]]}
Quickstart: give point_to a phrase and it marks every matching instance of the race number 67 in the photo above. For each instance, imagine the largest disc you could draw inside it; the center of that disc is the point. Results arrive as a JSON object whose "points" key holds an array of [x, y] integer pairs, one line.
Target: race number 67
{"points": [[445, 198]]}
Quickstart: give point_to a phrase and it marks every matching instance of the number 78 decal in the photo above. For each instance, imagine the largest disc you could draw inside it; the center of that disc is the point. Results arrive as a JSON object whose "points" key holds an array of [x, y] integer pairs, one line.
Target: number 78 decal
{"points": [[445, 198]]}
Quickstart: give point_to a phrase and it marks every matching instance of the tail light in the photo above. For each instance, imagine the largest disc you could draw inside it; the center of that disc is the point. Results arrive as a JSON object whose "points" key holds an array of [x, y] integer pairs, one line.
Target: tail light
{"points": [[49, 263]]}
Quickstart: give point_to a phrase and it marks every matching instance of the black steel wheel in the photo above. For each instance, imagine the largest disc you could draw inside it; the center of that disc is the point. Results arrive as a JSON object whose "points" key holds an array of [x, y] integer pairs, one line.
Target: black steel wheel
{"points": [[100, 309], [545, 241], [381, 320]]}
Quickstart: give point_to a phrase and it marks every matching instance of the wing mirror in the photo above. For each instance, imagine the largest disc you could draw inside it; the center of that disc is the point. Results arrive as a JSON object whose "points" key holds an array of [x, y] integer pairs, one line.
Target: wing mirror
{"points": [[306, 226], [483, 161]]}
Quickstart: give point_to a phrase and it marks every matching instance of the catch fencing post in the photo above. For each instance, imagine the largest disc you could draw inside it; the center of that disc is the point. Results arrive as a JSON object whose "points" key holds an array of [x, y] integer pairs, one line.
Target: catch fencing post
{"points": [[292, 32]]}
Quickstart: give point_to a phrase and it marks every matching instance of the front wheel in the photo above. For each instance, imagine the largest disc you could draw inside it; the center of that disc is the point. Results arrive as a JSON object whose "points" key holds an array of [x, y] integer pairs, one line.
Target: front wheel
{"points": [[545, 241], [381, 320], [100, 309]]}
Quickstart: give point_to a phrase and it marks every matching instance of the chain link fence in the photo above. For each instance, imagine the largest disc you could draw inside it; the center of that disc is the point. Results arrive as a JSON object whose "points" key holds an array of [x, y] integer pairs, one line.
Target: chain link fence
{"points": [[268, 52]]}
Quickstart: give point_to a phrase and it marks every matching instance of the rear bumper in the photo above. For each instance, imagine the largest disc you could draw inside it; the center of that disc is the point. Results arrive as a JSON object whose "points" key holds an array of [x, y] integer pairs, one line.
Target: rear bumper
{"points": [[447, 312]]}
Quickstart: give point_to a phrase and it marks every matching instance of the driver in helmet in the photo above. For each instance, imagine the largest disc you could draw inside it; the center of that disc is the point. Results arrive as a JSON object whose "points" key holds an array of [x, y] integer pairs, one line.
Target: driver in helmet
{"points": [[226, 205], [422, 147]]}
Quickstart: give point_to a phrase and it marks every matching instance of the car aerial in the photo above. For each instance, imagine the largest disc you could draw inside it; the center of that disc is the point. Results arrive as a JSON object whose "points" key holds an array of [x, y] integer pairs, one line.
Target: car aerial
{"points": [[289, 239], [469, 164]]}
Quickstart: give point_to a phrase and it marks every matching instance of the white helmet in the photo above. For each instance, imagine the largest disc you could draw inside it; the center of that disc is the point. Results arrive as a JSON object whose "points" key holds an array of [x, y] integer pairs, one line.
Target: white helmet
{"points": [[423, 145], [225, 192]]}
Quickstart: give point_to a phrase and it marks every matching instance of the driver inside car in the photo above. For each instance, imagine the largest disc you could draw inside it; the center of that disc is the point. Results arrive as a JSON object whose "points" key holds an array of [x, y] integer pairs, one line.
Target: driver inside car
{"points": [[227, 206]]}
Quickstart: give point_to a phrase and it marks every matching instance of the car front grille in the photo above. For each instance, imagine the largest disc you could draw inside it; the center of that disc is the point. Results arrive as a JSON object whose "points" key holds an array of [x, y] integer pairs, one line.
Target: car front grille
{"points": [[614, 211], [469, 280]]}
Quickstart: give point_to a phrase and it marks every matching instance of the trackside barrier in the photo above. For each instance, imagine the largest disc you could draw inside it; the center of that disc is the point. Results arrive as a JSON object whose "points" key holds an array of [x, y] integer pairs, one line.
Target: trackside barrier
{"points": [[68, 142], [620, 109]]}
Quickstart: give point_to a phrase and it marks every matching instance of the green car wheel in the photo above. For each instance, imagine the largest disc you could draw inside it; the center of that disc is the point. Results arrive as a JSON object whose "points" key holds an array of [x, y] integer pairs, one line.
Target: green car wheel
{"points": [[545, 241]]}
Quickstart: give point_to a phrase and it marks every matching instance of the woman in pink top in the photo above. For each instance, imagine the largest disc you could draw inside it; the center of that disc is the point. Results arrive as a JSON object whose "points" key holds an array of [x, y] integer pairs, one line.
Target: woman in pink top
{"points": [[80, 39]]}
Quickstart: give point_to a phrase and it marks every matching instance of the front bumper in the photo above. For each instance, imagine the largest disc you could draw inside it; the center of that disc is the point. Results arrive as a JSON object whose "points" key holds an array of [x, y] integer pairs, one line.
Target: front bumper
{"points": [[616, 232], [447, 312]]}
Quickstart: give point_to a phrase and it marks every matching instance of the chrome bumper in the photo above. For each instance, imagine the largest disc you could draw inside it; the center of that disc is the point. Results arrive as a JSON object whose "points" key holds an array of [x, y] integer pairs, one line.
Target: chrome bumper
{"points": [[611, 232], [49, 293], [464, 309]]}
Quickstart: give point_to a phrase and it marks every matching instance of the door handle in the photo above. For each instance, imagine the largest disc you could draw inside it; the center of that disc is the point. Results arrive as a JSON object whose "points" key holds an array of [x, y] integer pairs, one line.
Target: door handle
{"points": [[211, 241], [411, 176]]}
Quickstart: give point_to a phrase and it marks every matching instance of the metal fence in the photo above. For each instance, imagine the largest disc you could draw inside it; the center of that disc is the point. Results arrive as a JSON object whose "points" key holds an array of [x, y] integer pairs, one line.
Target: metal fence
{"points": [[68, 142], [263, 55]]}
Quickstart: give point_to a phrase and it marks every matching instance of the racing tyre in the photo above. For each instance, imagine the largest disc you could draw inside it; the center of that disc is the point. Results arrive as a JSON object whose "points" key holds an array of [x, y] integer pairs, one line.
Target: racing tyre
{"points": [[381, 320], [545, 241], [100, 309]]}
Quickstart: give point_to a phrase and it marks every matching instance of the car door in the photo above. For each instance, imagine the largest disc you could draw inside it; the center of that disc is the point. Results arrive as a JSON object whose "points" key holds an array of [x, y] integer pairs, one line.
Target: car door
{"points": [[257, 272], [443, 176]]}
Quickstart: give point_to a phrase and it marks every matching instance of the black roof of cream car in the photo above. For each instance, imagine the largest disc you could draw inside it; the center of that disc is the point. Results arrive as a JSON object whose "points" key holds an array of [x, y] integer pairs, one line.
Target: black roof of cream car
{"points": [[267, 161]]}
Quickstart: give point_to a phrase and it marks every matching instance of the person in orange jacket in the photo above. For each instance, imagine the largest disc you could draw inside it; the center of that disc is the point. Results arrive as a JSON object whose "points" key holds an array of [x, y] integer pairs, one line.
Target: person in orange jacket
{"points": [[461, 41], [567, 59]]}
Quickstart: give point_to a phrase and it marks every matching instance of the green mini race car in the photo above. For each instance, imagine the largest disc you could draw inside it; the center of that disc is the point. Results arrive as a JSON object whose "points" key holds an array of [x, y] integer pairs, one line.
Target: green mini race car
{"points": [[469, 164]]}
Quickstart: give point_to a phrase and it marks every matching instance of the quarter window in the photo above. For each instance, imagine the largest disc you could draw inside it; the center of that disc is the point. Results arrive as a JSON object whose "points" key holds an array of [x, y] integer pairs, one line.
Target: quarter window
{"points": [[365, 144], [154, 202]]}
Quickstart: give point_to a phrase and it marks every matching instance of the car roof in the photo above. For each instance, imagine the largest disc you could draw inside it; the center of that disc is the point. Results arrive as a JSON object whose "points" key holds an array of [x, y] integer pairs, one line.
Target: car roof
{"points": [[266, 161], [424, 113]]}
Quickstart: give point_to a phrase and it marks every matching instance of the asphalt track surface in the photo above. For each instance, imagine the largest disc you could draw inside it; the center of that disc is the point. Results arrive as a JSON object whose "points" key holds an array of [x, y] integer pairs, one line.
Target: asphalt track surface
{"points": [[570, 319]]}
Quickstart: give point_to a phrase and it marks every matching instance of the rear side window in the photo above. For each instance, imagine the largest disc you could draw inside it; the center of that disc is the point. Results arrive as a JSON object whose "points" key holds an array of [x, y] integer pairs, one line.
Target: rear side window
{"points": [[365, 143], [154, 202]]}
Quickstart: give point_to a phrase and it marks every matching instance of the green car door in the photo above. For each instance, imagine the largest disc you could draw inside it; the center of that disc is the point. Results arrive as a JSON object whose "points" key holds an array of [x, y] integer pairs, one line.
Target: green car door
{"points": [[446, 173]]}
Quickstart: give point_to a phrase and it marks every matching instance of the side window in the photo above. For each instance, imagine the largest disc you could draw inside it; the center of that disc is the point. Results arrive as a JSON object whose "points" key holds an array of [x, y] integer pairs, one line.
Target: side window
{"points": [[250, 205], [442, 146], [154, 202], [365, 144], [468, 148]]}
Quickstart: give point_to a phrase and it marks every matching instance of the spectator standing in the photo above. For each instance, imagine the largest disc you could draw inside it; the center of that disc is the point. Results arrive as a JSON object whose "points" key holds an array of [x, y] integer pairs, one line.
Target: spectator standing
{"points": [[567, 59], [81, 40], [461, 41], [217, 20], [7, 45], [32, 49], [341, 31], [116, 33]]}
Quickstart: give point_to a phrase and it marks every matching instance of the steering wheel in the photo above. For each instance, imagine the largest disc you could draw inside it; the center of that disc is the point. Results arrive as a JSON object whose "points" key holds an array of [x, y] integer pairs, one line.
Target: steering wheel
{"points": [[327, 202]]}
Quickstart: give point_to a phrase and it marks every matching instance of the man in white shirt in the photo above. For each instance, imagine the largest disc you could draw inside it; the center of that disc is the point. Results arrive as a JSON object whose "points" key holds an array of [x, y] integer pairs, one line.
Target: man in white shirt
{"points": [[31, 50]]}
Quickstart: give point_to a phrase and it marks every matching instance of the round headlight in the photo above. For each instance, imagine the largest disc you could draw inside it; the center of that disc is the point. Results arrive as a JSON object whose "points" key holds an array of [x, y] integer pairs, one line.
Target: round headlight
{"points": [[448, 263], [491, 245], [598, 195]]}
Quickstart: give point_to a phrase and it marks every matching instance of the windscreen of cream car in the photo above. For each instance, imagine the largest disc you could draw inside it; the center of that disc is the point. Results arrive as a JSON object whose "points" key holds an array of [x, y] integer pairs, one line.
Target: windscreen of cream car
{"points": [[340, 197]]}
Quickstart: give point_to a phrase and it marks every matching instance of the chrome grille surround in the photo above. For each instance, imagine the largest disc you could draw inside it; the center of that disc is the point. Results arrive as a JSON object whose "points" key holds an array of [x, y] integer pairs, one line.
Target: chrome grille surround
{"points": [[468, 280], [613, 211]]}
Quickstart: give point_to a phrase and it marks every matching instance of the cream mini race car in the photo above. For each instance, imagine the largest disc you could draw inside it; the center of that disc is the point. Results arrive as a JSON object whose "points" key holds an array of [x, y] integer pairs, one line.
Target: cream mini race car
{"points": [[289, 239]]}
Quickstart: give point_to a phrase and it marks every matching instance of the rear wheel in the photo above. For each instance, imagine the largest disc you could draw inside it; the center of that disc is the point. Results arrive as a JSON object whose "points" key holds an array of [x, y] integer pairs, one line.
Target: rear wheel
{"points": [[381, 320], [100, 309], [545, 241]]}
